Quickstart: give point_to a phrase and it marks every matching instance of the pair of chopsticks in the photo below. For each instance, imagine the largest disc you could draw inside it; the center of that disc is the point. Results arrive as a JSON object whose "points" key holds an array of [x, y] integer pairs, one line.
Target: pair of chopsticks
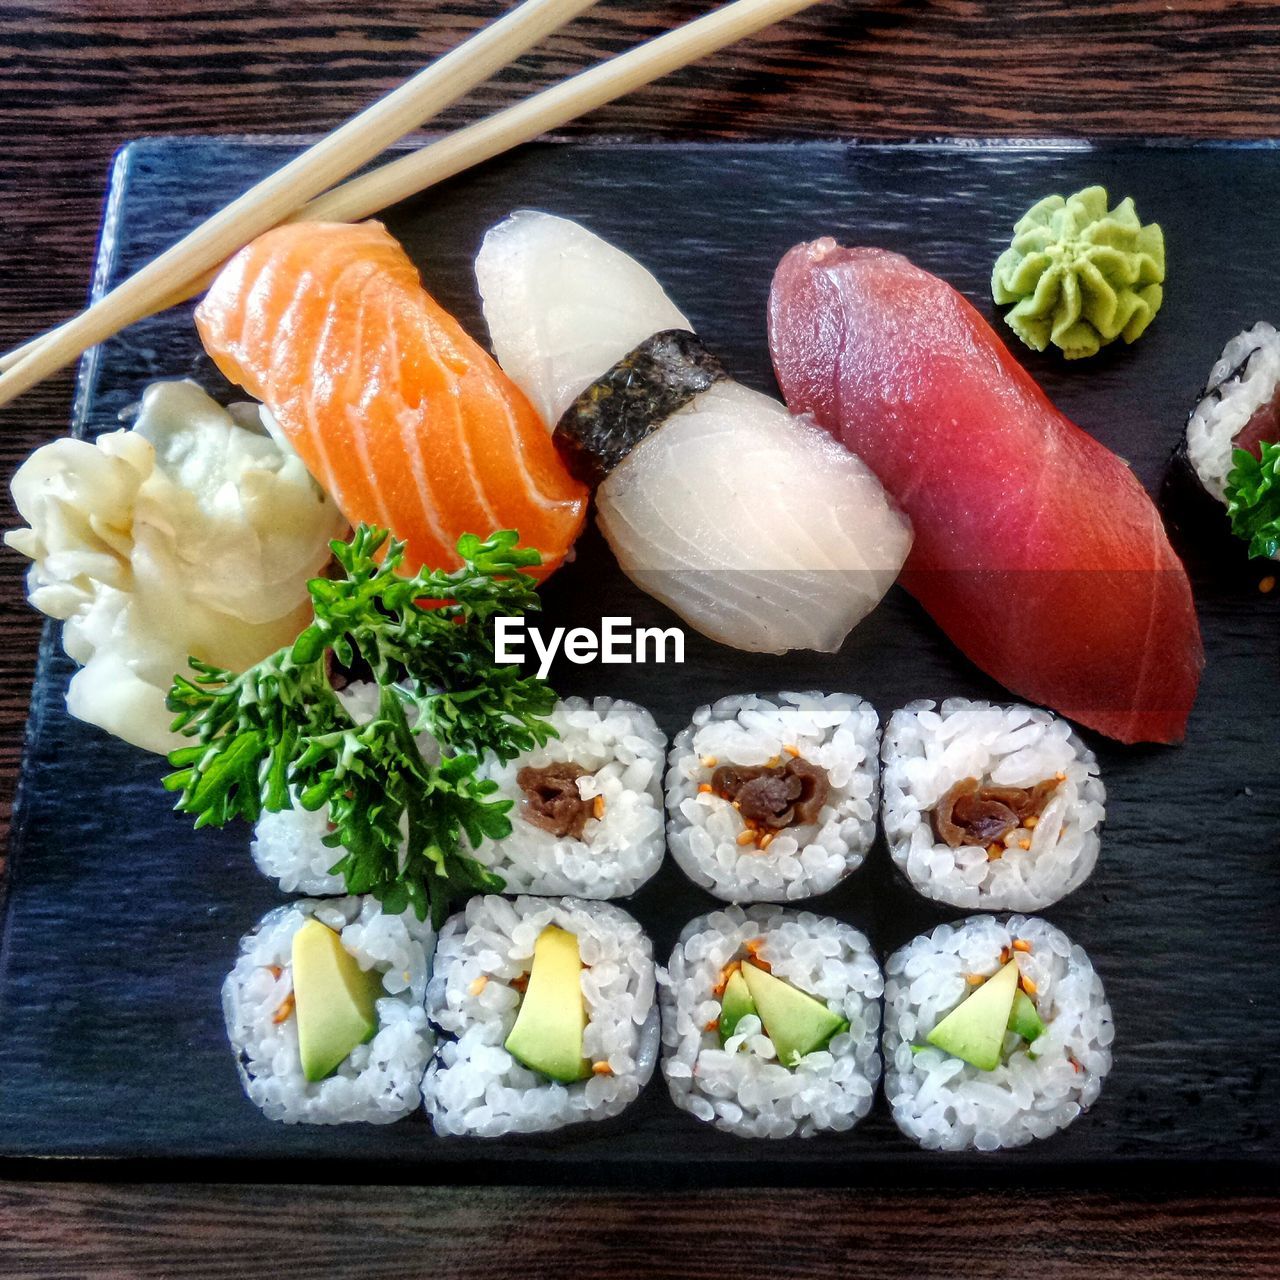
{"points": [[294, 191]]}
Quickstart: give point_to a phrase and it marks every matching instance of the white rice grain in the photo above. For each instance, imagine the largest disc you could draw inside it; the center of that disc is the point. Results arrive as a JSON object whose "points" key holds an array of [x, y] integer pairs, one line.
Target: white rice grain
{"points": [[927, 751], [379, 1081], [288, 847], [622, 749], [741, 1087], [1244, 378], [946, 1104], [475, 1086], [836, 731]]}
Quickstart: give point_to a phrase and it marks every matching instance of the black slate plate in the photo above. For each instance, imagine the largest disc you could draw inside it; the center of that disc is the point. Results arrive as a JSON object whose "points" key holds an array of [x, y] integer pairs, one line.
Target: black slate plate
{"points": [[121, 921]]}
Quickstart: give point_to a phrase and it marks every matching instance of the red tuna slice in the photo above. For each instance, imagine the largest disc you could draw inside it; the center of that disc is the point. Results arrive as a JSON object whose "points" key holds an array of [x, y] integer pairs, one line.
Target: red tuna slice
{"points": [[1036, 548]]}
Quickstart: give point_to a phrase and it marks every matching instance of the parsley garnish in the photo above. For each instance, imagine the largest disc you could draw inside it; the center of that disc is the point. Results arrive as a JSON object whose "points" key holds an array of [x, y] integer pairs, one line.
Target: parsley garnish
{"points": [[1253, 499], [279, 730]]}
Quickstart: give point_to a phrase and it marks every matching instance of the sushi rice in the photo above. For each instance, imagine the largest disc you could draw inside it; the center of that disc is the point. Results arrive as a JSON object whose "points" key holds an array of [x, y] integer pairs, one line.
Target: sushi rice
{"points": [[741, 1087], [944, 1103], [837, 731], [622, 749], [475, 1086], [1244, 379], [928, 749], [288, 847], [796, 567], [379, 1080]]}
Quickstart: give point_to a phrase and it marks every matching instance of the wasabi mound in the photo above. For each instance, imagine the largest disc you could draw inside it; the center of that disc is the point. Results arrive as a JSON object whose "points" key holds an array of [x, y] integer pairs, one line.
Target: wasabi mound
{"points": [[1080, 275]]}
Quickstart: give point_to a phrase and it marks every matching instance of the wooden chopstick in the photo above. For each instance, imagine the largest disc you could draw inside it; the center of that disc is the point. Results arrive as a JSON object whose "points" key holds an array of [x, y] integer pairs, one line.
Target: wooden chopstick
{"points": [[550, 109], [331, 160], [451, 155]]}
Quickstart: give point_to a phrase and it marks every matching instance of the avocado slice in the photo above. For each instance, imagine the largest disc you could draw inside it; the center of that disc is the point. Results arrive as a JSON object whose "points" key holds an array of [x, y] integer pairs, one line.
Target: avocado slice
{"points": [[547, 1036], [795, 1022], [334, 1000], [735, 1005], [974, 1030], [1025, 1020]]}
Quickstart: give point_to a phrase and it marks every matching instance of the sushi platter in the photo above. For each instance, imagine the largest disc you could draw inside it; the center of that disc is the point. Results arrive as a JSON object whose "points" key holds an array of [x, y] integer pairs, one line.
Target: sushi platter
{"points": [[121, 922]]}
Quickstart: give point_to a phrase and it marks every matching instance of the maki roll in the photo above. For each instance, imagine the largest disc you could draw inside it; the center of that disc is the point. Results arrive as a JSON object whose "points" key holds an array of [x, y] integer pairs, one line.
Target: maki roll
{"points": [[773, 798], [586, 810], [546, 1007], [289, 846], [996, 1032], [324, 1010], [997, 807], [1239, 409], [771, 1021]]}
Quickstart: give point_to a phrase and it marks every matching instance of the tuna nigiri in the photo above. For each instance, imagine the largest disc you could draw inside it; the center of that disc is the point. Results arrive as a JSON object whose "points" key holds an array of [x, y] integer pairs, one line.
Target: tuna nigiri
{"points": [[403, 419], [756, 528], [1036, 549]]}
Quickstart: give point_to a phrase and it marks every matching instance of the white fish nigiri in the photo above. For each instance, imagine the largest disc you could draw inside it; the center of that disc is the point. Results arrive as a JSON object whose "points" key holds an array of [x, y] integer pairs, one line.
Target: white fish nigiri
{"points": [[563, 306], [755, 527]]}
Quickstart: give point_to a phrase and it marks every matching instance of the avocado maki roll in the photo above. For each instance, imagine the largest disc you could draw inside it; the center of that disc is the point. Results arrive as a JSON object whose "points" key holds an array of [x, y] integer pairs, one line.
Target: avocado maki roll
{"points": [[586, 811], [772, 798], [997, 1032], [771, 1022], [324, 1011], [546, 1014], [987, 806]]}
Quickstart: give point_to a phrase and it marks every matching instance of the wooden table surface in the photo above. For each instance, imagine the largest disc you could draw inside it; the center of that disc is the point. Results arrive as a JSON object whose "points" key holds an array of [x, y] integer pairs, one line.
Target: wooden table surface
{"points": [[80, 77]]}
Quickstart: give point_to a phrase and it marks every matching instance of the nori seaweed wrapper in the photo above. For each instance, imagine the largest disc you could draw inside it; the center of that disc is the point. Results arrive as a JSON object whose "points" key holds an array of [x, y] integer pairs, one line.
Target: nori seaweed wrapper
{"points": [[632, 400]]}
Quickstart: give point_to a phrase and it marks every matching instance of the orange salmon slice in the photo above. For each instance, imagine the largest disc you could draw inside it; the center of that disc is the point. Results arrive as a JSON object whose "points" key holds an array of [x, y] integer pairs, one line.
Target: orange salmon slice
{"points": [[399, 415]]}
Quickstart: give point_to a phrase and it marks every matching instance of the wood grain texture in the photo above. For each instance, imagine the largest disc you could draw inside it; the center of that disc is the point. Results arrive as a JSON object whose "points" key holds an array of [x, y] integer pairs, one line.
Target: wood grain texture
{"points": [[80, 77], [370, 1234]]}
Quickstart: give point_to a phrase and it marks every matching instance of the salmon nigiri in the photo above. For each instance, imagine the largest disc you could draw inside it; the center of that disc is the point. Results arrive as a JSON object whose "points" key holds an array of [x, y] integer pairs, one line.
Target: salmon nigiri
{"points": [[403, 419]]}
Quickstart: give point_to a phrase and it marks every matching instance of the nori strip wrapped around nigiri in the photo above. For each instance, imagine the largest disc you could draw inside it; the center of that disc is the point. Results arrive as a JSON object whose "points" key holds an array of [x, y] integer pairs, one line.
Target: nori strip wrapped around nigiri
{"points": [[755, 527], [635, 397]]}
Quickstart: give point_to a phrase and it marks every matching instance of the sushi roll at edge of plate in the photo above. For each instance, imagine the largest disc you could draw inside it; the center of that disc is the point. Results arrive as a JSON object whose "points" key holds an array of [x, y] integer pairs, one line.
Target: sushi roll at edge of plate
{"points": [[989, 805], [997, 1032], [771, 1022], [547, 1016], [1238, 408], [772, 798], [324, 1011]]}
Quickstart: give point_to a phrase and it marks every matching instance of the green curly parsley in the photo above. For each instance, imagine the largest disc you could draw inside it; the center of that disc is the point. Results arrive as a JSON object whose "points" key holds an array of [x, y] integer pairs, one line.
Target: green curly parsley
{"points": [[1253, 499], [279, 730]]}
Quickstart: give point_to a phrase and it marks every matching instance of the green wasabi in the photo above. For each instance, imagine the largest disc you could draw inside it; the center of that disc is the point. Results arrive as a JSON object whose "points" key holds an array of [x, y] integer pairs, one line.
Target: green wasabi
{"points": [[1080, 275]]}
